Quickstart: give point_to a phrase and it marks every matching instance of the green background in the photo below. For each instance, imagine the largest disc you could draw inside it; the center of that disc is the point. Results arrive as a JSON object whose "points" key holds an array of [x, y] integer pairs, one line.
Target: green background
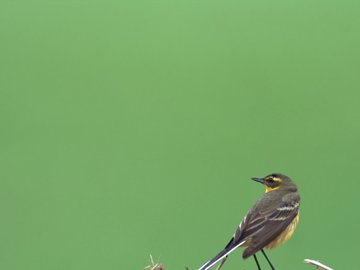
{"points": [[131, 128]]}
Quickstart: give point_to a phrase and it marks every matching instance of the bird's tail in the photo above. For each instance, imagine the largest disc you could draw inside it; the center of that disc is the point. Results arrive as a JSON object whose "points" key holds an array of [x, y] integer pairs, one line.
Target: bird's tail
{"points": [[227, 250]]}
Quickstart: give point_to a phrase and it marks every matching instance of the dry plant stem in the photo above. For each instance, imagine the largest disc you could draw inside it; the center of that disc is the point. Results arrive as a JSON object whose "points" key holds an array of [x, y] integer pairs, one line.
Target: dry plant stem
{"points": [[153, 265], [221, 263], [159, 266], [318, 264]]}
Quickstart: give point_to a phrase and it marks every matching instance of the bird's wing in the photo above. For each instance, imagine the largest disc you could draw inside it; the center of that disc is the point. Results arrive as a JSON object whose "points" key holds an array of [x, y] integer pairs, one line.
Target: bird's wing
{"points": [[263, 226]]}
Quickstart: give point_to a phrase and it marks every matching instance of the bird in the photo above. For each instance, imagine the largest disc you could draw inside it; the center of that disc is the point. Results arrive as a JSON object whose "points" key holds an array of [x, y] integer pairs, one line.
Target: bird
{"points": [[270, 222]]}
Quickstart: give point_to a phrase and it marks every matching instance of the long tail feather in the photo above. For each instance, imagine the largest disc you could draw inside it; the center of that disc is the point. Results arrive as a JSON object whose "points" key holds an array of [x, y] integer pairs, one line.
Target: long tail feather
{"points": [[220, 256]]}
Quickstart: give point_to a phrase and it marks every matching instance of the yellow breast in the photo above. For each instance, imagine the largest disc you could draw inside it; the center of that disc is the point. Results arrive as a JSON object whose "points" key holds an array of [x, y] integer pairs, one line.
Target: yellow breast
{"points": [[285, 235]]}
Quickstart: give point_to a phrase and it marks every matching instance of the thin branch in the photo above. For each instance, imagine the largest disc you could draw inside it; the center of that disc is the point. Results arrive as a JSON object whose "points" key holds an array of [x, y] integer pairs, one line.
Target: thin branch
{"points": [[159, 266], [318, 264], [153, 265]]}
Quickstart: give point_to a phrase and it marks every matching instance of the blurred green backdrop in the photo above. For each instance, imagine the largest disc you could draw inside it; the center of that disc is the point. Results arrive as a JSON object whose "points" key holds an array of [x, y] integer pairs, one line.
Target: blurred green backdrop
{"points": [[131, 128]]}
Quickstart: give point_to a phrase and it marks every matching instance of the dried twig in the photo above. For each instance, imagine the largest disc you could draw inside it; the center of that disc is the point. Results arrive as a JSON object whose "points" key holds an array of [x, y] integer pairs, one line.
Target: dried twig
{"points": [[153, 265], [318, 264], [159, 266]]}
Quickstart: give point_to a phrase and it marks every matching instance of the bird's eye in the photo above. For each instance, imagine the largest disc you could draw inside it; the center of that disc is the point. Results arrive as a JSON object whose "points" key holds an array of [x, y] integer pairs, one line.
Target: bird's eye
{"points": [[271, 180]]}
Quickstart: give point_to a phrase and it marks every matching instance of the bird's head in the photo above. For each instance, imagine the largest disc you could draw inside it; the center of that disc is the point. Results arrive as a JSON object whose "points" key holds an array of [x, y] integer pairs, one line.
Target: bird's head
{"points": [[275, 181]]}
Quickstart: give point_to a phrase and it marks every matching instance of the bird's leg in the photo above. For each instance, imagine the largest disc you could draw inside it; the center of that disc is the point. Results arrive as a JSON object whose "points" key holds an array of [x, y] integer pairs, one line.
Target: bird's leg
{"points": [[221, 263], [257, 263], [266, 257]]}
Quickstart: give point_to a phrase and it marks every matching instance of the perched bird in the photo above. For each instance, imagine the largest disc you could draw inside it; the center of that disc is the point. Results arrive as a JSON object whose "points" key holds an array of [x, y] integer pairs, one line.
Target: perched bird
{"points": [[270, 222]]}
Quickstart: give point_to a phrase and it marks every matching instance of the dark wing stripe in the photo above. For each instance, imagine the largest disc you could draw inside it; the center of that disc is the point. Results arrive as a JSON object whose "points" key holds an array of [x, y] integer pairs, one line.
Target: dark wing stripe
{"points": [[250, 221], [284, 212]]}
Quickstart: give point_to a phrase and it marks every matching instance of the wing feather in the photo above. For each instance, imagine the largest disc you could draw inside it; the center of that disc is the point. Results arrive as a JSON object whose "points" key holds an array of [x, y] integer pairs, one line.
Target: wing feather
{"points": [[264, 226]]}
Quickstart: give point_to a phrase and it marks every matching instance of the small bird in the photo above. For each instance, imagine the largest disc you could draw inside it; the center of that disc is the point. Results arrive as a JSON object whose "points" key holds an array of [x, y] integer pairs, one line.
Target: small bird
{"points": [[269, 223]]}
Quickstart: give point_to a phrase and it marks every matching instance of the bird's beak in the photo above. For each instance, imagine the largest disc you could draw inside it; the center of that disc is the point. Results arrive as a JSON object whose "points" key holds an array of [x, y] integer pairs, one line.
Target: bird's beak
{"points": [[258, 179]]}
